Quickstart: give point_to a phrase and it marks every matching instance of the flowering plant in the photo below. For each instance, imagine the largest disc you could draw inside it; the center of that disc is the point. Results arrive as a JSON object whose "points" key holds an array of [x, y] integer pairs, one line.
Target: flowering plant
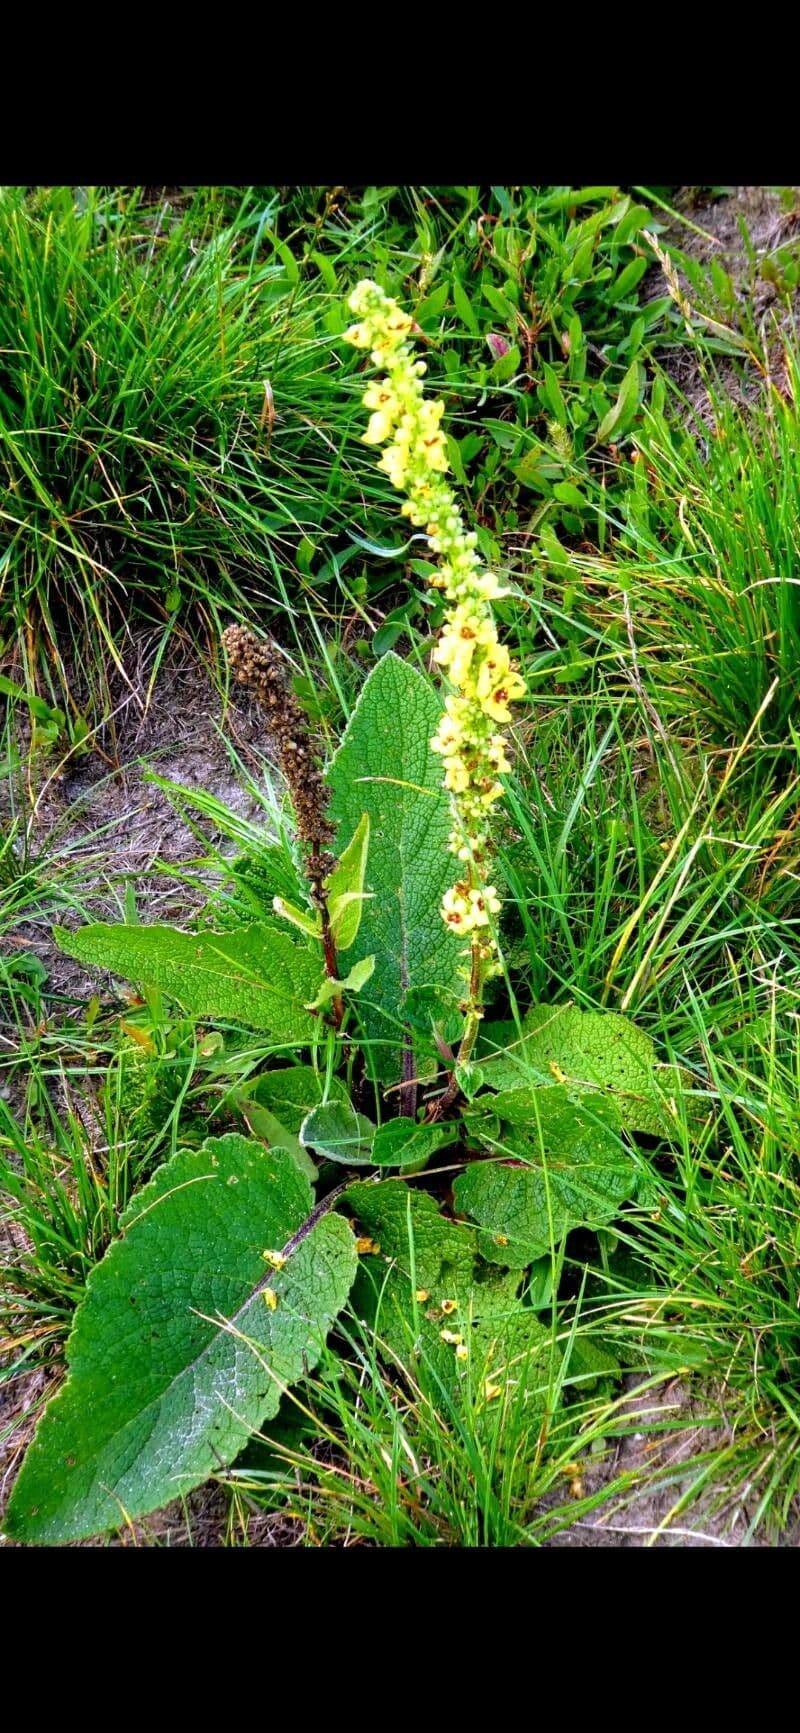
{"points": [[479, 669], [238, 1254]]}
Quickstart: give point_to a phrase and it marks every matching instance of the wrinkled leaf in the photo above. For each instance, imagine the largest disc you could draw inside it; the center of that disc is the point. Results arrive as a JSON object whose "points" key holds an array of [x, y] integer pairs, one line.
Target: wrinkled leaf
{"points": [[428, 1298], [174, 1356], [384, 766], [569, 1169], [434, 1010], [292, 1091], [589, 1051], [256, 975], [402, 1143], [410, 1229]]}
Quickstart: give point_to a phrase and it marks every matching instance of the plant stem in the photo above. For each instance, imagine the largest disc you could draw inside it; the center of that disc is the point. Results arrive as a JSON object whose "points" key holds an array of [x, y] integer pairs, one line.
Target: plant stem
{"points": [[440, 1107], [306, 1227], [329, 953], [408, 1087]]}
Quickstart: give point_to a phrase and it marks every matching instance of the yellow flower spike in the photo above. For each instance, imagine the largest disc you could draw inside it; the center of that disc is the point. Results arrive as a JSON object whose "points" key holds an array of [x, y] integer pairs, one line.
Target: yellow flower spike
{"points": [[477, 666], [270, 1299], [421, 1296], [276, 1260], [492, 1391], [449, 1306], [462, 1351], [451, 1337], [367, 1245]]}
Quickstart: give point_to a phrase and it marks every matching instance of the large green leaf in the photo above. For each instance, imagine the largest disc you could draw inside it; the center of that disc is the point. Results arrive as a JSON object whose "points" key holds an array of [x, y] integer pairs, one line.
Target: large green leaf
{"points": [[337, 1131], [434, 1303], [174, 1356], [569, 1169], [404, 1143], [384, 767], [509, 1362], [257, 975], [591, 1051]]}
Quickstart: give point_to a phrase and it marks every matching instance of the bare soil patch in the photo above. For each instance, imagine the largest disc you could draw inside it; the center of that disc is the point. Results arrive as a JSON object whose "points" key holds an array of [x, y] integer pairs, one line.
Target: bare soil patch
{"points": [[769, 226], [654, 1467]]}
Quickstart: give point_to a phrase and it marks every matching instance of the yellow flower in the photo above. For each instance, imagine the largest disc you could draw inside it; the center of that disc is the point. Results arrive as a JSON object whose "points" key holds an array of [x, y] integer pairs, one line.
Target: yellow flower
{"points": [[379, 427], [498, 685], [496, 755], [496, 665], [455, 651], [483, 903], [398, 323], [379, 395], [456, 777], [455, 910], [395, 463], [448, 736], [490, 587], [463, 634]]}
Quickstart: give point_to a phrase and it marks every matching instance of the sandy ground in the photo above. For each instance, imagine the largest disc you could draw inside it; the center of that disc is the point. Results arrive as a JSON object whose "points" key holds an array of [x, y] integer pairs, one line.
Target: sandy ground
{"points": [[653, 1469], [769, 227], [113, 824]]}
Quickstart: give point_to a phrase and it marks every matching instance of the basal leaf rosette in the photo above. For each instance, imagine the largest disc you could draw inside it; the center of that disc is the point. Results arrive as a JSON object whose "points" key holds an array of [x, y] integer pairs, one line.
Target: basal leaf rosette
{"points": [[483, 679]]}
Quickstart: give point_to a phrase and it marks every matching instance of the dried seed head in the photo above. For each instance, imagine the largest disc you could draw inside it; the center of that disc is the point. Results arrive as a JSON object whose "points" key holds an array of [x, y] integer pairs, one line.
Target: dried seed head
{"points": [[259, 665]]}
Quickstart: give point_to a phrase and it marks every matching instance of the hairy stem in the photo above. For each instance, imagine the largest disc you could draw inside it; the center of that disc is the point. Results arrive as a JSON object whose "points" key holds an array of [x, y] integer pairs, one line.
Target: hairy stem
{"points": [[408, 1088]]}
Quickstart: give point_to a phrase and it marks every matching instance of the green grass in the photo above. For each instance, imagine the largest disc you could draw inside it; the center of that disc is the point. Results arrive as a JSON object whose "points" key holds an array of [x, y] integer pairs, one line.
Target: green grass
{"points": [[651, 855], [173, 427], [178, 424], [703, 584]]}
